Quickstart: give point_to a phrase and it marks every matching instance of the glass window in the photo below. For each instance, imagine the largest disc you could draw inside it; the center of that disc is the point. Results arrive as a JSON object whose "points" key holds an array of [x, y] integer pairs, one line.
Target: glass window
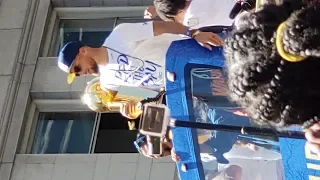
{"points": [[115, 125], [58, 133], [225, 153], [92, 32]]}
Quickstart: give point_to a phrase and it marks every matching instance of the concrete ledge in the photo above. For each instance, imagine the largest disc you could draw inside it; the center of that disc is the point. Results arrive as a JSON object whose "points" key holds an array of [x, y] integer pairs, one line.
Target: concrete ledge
{"points": [[100, 12]]}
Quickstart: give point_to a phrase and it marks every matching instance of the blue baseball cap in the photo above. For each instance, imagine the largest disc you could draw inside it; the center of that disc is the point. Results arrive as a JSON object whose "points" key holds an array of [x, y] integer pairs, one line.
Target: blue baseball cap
{"points": [[67, 56]]}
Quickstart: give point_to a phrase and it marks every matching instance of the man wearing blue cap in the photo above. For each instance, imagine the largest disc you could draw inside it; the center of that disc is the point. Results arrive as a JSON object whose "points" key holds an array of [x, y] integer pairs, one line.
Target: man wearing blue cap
{"points": [[133, 54]]}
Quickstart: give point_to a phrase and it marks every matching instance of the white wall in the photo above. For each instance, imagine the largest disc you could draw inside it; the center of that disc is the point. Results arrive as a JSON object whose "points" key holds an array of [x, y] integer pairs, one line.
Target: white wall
{"points": [[91, 167], [21, 28], [50, 82]]}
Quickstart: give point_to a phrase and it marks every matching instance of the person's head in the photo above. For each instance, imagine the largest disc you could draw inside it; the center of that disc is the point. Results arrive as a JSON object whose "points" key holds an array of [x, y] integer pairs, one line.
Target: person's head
{"points": [[262, 77], [168, 9], [77, 59], [231, 172]]}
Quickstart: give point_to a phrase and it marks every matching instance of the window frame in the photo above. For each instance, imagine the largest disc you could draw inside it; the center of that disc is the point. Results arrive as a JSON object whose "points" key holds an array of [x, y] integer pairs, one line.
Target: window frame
{"points": [[46, 106], [48, 43], [76, 13]]}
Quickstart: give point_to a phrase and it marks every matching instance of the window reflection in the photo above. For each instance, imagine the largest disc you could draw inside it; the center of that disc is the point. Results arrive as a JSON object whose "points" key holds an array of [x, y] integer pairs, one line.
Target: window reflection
{"points": [[58, 133], [229, 155], [92, 32]]}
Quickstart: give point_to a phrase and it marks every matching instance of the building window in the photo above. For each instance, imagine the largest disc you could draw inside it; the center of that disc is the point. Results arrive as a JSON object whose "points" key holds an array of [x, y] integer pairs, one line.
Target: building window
{"points": [[75, 132], [54, 130], [60, 129], [114, 136], [63, 132], [91, 32]]}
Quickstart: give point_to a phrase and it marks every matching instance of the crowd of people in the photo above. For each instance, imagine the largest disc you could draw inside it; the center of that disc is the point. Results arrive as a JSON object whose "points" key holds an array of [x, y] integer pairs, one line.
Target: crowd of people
{"points": [[271, 56]]}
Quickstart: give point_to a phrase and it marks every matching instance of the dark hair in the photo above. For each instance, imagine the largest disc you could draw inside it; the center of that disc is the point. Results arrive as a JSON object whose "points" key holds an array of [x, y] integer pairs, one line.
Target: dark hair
{"points": [[272, 90], [167, 9]]}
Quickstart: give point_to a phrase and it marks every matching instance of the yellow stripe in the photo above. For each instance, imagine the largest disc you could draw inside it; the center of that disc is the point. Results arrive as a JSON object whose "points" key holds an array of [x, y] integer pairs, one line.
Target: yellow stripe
{"points": [[314, 178], [311, 156], [313, 166]]}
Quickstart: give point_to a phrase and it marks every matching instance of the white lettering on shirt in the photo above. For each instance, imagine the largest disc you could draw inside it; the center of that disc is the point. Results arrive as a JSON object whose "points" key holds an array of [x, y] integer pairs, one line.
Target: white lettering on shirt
{"points": [[145, 73]]}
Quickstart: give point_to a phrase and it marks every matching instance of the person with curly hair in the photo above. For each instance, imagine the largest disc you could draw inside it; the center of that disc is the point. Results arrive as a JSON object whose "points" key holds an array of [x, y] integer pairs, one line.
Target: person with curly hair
{"points": [[273, 59]]}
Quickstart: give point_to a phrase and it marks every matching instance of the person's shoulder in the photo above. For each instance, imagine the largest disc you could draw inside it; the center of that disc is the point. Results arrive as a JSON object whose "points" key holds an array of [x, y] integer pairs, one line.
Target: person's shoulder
{"points": [[122, 30], [128, 26], [118, 31], [123, 26]]}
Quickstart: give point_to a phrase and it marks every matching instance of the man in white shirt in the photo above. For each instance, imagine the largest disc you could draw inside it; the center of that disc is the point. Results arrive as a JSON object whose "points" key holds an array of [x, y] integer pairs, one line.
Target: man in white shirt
{"points": [[197, 13], [133, 55], [232, 172]]}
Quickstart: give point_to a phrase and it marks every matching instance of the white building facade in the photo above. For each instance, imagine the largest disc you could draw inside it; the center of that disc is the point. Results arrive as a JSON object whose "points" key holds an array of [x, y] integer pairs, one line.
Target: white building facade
{"points": [[46, 133]]}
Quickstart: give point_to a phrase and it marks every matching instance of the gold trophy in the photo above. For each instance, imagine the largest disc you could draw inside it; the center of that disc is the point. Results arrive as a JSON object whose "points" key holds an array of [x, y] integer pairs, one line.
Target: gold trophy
{"points": [[106, 101], [103, 100]]}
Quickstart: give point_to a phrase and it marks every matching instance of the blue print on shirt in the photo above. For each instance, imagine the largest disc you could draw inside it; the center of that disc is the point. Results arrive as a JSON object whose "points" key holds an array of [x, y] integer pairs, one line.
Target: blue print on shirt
{"points": [[147, 73]]}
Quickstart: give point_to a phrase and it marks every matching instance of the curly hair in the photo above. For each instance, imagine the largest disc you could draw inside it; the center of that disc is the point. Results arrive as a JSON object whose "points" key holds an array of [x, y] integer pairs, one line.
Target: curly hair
{"points": [[167, 9], [272, 90]]}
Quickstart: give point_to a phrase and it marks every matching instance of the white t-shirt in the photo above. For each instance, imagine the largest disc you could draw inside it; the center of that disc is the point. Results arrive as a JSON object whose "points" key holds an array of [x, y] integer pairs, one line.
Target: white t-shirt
{"points": [[262, 164], [136, 57], [257, 169], [201, 13], [246, 153]]}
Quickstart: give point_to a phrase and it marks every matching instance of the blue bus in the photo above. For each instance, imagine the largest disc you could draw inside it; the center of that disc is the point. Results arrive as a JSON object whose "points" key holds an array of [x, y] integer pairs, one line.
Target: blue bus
{"points": [[199, 94]]}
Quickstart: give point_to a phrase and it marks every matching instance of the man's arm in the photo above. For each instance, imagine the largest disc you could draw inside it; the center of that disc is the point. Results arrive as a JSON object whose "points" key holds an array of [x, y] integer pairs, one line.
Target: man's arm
{"points": [[162, 27], [205, 39], [151, 28], [134, 32], [142, 31]]}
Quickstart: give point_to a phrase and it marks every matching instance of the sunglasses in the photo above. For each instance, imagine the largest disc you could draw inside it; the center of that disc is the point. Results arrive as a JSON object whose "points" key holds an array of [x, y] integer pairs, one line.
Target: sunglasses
{"points": [[77, 70]]}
